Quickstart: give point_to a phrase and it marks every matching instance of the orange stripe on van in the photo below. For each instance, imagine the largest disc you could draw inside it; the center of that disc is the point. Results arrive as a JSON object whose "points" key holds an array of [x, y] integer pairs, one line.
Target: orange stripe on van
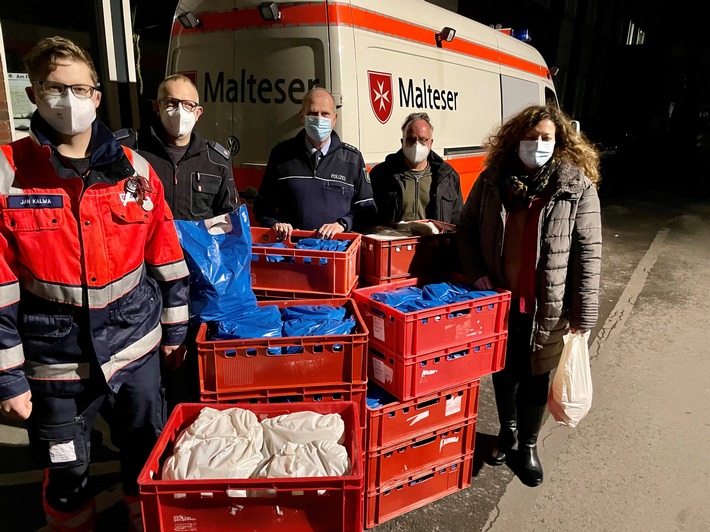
{"points": [[356, 17]]}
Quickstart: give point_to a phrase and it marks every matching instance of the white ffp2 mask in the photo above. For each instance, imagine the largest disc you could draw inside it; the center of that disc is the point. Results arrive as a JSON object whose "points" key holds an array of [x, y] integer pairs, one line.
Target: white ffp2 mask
{"points": [[416, 153], [178, 122], [67, 114]]}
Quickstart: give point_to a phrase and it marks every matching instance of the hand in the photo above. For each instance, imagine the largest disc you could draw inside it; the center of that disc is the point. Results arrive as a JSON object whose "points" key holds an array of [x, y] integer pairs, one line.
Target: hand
{"points": [[330, 230], [283, 231], [173, 355], [572, 330], [18, 407], [484, 283]]}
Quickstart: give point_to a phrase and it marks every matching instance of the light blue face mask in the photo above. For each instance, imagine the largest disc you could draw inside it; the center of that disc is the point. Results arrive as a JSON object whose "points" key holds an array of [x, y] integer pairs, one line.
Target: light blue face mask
{"points": [[318, 128]]}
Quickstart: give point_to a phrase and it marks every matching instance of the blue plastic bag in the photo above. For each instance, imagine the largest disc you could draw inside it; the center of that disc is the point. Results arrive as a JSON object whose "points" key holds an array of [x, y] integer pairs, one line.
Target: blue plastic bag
{"points": [[261, 322], [313, 312], [220, 268]]}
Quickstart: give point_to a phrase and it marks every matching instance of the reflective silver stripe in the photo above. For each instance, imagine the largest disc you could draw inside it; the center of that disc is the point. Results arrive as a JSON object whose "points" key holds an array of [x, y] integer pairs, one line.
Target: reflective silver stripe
{"points": [[9, 294], [11, 357], [174, 315], [169, 272], [52, 372], [7, 174], [101, 297], [74, 295], [140, 165], [132, 352]]}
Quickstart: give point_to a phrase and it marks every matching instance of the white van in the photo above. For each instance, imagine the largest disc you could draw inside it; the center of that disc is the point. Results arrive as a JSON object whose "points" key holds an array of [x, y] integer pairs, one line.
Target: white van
{"points": [[253, 61]]}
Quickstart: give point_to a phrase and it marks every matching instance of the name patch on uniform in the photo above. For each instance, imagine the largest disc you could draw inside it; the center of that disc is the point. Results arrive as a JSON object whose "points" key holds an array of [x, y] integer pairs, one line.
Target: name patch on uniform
{"points": [[35, 201], [338, 177]]}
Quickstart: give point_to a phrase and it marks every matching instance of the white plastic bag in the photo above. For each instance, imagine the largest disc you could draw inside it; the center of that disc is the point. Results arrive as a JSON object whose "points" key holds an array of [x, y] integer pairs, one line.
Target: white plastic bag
{"points": [[570, 396]]}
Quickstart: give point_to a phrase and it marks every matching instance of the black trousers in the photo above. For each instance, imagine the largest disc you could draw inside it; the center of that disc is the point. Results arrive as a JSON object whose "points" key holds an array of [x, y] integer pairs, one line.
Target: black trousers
{"points": [[516, 379]]}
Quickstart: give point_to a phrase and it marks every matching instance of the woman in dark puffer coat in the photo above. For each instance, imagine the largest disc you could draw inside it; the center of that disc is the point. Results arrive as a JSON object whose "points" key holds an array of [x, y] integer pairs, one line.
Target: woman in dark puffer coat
{"points": [[532, 225]]}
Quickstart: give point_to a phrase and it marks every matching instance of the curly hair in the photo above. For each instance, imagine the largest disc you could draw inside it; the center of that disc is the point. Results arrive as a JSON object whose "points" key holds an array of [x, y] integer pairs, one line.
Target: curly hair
{"points": [[47, 53], [570, 146]]}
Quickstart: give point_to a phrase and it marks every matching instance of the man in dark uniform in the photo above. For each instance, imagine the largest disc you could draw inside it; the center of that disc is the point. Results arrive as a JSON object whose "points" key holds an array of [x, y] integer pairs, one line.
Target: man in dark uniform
{"points": [[415, 183], [196, 173], [199, 185], [314, 181]]}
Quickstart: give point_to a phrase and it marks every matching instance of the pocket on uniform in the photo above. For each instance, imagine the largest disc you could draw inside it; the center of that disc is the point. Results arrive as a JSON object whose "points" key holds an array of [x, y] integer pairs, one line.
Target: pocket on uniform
{"points": [[137, 305], [204, 187], [46, 326], [61, 445], [33, 219]]}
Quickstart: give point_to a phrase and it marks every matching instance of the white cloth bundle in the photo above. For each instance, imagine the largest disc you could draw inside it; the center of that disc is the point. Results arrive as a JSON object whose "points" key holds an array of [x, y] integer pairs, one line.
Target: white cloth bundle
{"points": [[313, 459], [300, 427], [218, 444]]}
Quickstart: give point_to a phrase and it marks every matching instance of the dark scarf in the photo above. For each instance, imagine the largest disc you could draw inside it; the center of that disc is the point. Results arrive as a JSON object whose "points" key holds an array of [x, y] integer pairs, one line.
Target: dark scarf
{"points": [[521, 190]]}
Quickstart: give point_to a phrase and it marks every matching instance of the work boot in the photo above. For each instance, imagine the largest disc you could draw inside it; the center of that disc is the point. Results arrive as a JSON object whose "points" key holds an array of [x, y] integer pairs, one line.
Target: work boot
{"points": [[507, 416], [77, 520], [529, 423]]}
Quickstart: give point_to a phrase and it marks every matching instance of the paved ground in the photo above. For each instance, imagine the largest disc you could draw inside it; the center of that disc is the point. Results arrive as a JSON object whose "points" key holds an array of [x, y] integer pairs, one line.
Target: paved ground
{"points": [[638, 461]]}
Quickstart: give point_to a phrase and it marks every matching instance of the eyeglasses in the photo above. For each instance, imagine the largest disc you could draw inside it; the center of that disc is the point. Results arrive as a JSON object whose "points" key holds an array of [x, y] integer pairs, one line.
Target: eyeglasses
{"points": [[172, 103], [53, 88], [410, 141]]}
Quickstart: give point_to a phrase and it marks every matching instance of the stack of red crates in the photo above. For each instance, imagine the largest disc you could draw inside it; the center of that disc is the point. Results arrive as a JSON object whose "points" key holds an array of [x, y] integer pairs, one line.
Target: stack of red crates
{"points": [[273, 376], [421, 443]]}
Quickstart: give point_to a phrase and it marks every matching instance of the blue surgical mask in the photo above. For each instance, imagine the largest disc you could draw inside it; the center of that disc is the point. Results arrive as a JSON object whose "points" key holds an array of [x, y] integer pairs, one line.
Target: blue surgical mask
{"points": [[318, 128], [535, 153]]}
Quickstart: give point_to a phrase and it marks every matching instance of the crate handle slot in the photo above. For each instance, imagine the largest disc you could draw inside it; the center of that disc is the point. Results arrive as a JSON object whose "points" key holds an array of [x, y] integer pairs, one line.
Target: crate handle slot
{"points": [[338, 348], [231, 353], [459, 313], [287, 350], [423, 442], [423, 479], [488, 346], [405, 410], [458, 354], [437, 360], [377, 312], [428, 403], [477, 349], [377, 353]]}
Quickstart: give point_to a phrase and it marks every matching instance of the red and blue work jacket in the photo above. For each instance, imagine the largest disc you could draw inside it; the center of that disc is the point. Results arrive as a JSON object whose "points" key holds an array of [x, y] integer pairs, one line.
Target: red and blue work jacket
{"points": [[92, 276]]}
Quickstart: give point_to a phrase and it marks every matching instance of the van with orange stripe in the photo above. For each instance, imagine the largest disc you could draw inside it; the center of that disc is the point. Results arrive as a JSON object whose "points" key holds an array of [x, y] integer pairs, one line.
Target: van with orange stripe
{"points": [[253, 61]]}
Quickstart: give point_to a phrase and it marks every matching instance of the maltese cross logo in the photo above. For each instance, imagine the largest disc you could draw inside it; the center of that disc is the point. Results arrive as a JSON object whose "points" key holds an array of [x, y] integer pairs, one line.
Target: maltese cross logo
{"points": [[380, 85]]}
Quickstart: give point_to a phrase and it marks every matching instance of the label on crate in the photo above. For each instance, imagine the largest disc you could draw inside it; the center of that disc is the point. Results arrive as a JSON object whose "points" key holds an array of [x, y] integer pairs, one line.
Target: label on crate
{"points": [[446, 441], [416, 419], [453, 405], [378, 328], [383, 373]]}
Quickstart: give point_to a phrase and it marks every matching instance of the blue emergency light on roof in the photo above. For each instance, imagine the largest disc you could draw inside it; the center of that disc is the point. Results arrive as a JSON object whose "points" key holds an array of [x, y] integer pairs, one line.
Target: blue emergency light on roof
{"points": [[523, 35]]}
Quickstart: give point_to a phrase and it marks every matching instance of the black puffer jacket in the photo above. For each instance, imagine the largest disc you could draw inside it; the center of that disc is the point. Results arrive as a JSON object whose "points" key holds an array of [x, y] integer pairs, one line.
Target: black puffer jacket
{"points": [[200, 186], [445, 200]]}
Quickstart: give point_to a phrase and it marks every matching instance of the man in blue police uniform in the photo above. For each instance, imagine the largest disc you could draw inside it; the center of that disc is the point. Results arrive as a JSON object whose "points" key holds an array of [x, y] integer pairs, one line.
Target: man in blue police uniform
{"points": [[196, 173], [314, 181]]}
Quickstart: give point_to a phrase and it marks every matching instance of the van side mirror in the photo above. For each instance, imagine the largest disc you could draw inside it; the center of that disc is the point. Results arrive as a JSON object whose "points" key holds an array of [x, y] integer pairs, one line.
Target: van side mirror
{"points": [[447, 34]]}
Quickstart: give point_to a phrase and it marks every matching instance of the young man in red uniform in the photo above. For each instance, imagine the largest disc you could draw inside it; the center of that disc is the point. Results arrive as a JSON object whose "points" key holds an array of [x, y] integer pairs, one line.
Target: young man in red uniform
{"points": [[93, 287]]}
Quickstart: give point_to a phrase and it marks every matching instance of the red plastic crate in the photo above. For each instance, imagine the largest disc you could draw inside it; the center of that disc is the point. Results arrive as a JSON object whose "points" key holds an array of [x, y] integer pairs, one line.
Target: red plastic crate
{"points": [[356, 392], [399, 421], [382, 261], [294, 504], [305, 273], [410, 377], [426, 331], [230, 368], [417, 490], [384, 466]]}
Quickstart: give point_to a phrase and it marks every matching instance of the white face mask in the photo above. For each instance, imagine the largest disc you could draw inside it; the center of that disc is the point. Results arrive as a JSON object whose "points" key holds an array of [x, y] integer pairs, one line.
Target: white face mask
{"points": [[535, 153], [67, 114], [416, 154], [178, 122]]}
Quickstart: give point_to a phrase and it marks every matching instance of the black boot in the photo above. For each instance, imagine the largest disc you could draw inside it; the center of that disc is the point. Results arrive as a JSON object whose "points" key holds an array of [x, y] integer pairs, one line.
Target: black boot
{"points": [[529, 423], [507, 416]]}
